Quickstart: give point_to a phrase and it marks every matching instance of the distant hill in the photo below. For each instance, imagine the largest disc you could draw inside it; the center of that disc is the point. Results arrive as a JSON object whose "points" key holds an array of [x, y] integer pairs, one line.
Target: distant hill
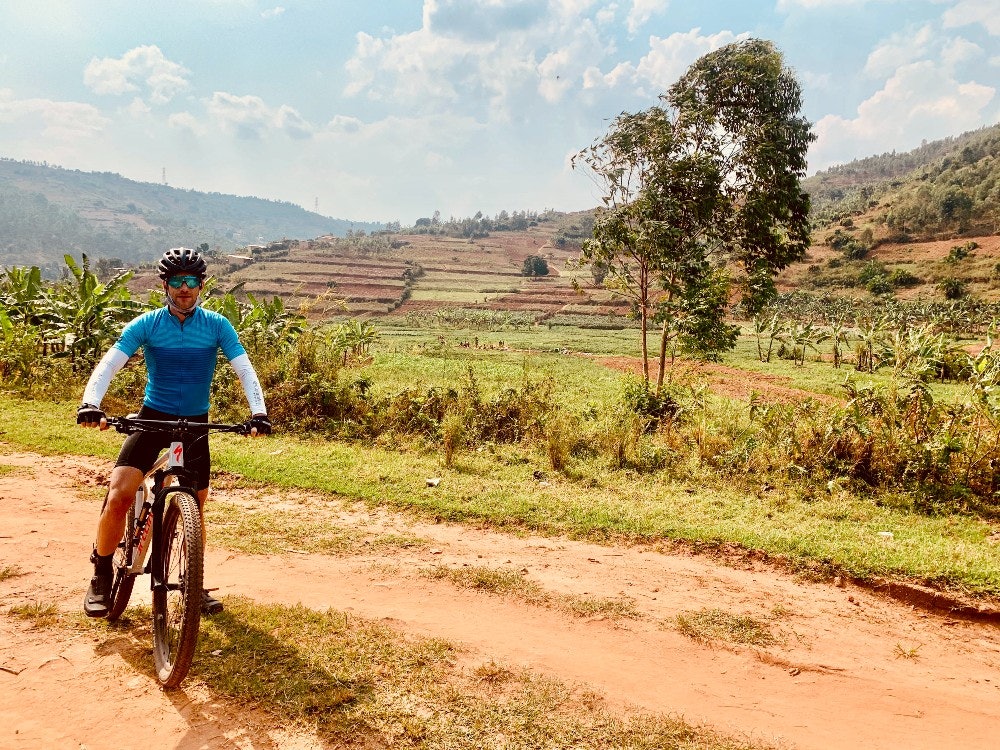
{"points": [[46, 212], [918, 225], [945, 189]]}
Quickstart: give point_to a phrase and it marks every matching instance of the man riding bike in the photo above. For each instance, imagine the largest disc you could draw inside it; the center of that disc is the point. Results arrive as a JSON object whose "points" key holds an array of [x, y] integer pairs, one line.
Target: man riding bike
{"points": [[180, 343]]}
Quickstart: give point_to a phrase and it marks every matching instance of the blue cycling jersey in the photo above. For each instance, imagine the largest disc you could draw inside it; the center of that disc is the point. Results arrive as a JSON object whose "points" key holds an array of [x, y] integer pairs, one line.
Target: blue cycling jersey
{"points": [[180, 357]]}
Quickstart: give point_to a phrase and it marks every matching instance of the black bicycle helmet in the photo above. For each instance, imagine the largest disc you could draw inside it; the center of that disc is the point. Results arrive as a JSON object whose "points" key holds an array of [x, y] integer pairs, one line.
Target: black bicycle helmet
{"points": [[178, 261]]}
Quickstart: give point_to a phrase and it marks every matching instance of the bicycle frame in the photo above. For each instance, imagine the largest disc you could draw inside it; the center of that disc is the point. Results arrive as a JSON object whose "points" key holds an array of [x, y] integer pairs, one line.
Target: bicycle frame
{"points": [[167, 475]]}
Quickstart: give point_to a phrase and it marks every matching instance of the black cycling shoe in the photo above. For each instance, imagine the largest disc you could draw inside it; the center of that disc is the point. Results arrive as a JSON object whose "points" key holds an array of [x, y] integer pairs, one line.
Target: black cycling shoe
{"points": [[98, 598], [209, 604]]}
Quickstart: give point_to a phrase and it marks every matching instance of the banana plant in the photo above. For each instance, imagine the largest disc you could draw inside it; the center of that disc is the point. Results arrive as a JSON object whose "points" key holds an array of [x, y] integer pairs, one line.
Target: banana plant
{"points": [[354, 337], [21, 292], [839, 336], [259, 322], [768, 329], [803, 336], [85, 313]]}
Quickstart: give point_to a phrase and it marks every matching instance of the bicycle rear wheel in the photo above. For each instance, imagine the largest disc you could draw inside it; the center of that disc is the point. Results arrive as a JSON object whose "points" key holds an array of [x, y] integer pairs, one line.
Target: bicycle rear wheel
{"points": [[177, 606], [122, 583]]}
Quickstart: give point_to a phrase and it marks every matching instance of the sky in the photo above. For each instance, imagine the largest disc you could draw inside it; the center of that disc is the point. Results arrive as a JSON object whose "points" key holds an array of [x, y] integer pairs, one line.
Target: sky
{"points": [[390, 110]]}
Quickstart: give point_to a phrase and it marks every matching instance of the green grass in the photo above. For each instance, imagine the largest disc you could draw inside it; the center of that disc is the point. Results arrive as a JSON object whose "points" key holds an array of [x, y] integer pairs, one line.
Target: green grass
{"points": [[355, 682], [39, 614], [707, 625], [6, 470], [512, 584], [580, 380], [834, 532], [540, 338]]}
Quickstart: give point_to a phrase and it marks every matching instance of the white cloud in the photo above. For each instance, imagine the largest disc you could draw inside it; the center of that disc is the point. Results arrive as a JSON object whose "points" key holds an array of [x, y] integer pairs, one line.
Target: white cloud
{"points": [[139, 67], [186, 121], [898, 50], [921, 101], [249, 117], [960, 50], [409, 67], [481, 20], [344, 124], [289, 121], [554, 82], [138, 108], [272, 12], [642, 11], [63, 121], [669, 58], [485, 57], [968, 12]]}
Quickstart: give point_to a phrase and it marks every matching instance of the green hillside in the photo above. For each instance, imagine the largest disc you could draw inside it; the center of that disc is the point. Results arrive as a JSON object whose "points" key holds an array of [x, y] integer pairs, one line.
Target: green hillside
{"points": [[48, 211], [942, 190]]}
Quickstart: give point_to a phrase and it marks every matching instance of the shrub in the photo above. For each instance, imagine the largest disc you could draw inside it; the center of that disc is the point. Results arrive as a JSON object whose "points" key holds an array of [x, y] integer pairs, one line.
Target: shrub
{"points": [[453, 434], [879, 285], [900, 277], [562, 438], [952, 288], [535, 265]]}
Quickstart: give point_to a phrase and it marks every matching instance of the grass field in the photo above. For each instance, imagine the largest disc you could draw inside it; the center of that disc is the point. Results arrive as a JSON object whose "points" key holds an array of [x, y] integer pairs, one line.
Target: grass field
{"points": [[829, 529]]}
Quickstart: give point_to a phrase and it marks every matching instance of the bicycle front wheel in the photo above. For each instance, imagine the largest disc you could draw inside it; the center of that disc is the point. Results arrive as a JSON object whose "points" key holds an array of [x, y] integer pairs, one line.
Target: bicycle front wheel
{"points": [[122, 583], [177, 605]]}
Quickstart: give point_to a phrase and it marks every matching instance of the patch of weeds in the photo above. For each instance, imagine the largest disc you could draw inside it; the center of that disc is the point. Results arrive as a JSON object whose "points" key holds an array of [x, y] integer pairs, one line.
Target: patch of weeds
{"points": [[499, 581], [907, 653], [708, 625], [492, 673], [38, 614], [8, 470], [10, 571], [593, 607], [383, 569], [506, 582]]}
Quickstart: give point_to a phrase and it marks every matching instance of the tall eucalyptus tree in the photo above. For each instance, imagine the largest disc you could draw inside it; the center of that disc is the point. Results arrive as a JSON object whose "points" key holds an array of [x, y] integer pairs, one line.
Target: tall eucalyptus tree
{"points": [[709, 180]]}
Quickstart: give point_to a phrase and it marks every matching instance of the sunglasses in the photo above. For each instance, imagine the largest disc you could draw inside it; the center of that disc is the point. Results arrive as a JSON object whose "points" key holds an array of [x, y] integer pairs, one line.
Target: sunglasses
{"points": [[192, 282]]}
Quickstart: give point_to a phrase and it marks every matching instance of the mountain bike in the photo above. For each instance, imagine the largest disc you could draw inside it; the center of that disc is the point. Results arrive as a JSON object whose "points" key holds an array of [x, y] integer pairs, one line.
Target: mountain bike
{"points": [[164, 537]]}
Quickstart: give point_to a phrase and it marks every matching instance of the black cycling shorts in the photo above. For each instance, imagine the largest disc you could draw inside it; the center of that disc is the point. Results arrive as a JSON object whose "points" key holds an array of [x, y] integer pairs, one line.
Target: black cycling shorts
{"points": [[140, 449]]}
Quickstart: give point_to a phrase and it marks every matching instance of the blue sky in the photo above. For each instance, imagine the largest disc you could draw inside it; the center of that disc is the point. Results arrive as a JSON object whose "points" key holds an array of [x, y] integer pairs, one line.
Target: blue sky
{"points": [[387, 110]]}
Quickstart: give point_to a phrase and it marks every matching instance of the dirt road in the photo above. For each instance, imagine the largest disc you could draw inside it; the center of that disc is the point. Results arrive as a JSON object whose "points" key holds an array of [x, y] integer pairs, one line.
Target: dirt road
{"points": [[850, 669]]}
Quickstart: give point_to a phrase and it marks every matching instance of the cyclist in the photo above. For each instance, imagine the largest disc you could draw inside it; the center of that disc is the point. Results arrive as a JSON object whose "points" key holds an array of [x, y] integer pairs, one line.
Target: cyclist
{"points": [[180, 343]]}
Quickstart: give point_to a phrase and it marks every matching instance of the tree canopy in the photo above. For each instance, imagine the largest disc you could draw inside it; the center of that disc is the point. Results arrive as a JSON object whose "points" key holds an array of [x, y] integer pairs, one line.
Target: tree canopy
{"points": [[706, 184]]}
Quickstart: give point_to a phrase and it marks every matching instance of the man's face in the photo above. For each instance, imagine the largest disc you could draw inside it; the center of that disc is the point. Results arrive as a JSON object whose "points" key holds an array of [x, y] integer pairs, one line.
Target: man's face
{"points": [[183, 291]]}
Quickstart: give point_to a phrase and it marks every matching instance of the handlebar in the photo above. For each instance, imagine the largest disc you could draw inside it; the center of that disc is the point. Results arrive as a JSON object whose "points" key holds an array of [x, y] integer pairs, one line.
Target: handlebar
{"points": [[131, 424]]}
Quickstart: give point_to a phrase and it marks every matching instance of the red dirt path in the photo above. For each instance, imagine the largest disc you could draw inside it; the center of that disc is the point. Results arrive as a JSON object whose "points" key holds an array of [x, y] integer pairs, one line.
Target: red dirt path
{"points": [[838, 677]]}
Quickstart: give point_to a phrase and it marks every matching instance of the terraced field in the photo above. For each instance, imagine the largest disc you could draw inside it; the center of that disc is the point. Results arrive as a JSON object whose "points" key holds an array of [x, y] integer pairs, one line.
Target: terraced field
{"points": [[404, 275]]}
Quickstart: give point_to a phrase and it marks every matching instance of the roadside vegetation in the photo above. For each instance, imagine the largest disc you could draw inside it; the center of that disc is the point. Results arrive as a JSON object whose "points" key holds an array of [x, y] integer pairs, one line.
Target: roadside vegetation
{"points": [[885, 471]]}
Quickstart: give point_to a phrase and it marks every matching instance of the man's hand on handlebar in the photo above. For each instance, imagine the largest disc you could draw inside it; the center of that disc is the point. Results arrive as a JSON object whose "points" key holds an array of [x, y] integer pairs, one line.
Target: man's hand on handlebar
{"points": [[258, 424], [89, 415]]}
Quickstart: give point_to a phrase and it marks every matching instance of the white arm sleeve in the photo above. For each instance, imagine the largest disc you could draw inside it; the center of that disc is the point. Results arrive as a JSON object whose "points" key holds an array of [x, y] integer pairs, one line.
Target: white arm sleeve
{"points": [[101, 377], [251, 385]]}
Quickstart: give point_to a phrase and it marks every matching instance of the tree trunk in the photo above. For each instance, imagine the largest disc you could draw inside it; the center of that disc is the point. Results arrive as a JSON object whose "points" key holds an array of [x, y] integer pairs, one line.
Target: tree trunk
{"points": [[663, 358], [644, 319]]}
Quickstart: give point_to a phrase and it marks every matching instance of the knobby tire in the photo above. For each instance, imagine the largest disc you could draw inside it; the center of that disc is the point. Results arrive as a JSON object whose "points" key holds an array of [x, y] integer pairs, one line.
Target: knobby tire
{"points": [[177, 609]]}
